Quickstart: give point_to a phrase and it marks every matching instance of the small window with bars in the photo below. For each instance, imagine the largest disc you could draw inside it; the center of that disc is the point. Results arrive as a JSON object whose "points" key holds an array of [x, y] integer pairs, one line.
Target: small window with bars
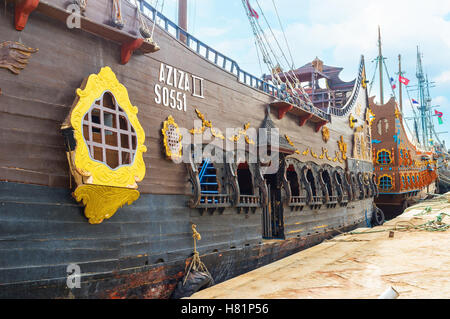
{"points": [[108, 133], [384, 158], [386, 183]]}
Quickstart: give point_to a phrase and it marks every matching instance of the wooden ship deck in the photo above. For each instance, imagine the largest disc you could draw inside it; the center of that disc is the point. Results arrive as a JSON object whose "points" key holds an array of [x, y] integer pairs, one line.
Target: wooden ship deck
{"points": [[90, 126]]}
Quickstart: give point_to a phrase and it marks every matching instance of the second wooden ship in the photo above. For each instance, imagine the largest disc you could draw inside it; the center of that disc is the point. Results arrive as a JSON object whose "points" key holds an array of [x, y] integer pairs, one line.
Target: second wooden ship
{"points": [[406, 172]]}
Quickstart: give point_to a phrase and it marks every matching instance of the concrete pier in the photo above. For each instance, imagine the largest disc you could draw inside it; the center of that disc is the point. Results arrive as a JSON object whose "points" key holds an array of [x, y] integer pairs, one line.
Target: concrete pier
{"points": [[411, 254]]}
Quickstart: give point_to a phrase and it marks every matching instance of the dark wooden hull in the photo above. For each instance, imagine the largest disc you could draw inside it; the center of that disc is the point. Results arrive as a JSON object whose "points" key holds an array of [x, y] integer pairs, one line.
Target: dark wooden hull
{"points": [[142, 251], [43, 231]]}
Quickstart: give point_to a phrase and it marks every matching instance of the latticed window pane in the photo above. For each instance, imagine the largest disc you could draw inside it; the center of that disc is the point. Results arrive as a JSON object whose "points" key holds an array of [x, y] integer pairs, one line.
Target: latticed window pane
{"points": [[384, 158], [109, 135], [386, 183]]}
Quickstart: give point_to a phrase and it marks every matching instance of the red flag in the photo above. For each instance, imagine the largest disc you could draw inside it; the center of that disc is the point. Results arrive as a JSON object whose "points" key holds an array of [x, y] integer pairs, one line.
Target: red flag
{"points": [[403, 80], [253, 13]]}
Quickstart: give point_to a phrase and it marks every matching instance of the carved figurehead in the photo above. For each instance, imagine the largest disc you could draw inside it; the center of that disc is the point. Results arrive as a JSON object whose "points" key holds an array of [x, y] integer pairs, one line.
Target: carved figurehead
{"points": [[105, 146]]}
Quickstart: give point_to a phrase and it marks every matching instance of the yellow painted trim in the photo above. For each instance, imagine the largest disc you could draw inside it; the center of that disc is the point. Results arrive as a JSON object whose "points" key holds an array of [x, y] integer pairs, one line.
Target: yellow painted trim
{"points": [[102, 202], [179, 152], [205, 124], [96, 172], [390, 156], [325, 134]]}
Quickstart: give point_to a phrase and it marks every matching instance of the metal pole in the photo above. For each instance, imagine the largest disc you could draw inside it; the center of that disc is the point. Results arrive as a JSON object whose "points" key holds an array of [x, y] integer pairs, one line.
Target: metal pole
{"points": [[182, 18], [400, 83], [380, 61]]}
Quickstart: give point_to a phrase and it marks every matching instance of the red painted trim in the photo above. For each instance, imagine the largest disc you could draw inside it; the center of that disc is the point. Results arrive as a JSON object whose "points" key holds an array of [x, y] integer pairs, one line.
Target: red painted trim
{"points": [[319, 125], [128, 49], [305, 119], [22, 12], [283, 110]]}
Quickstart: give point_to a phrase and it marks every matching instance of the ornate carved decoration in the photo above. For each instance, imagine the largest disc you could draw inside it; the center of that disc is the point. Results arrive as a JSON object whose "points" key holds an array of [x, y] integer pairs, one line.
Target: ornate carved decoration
{"points": [[14, 56], [104, 187], [291, 144], [241, 133], [102, 202], [343, 148], [370, 117], [325, 134], [206, 124], [352, 121], [172, 139]]}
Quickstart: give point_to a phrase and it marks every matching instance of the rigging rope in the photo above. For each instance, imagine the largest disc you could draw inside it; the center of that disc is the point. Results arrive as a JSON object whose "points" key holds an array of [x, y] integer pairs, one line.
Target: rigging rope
{"points": [[117, 14], [284, 34], [143, 29], [265, 47]]}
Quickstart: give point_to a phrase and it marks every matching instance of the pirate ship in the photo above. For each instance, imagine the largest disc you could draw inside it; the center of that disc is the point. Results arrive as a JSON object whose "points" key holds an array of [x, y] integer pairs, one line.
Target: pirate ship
{"points": [[405, 171], [103, 115]]}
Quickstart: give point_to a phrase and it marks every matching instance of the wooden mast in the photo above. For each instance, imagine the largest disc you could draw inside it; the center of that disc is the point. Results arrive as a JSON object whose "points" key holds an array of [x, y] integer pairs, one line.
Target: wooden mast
{"points": [[182, 18], [380, 61], [400, 84]]}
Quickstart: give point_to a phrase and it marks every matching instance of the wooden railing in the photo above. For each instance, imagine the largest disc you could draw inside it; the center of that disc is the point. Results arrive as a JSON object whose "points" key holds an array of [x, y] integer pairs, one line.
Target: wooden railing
{"points": [[249, 201]]}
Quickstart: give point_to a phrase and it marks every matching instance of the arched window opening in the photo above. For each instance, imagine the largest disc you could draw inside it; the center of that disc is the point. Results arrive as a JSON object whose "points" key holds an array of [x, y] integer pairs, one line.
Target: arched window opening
{"points": [[384, 158], [327, 180], [110, 137], [207, 174], [292, 177], [245, 179], [312, 182], [382, 126], [386, 183]]}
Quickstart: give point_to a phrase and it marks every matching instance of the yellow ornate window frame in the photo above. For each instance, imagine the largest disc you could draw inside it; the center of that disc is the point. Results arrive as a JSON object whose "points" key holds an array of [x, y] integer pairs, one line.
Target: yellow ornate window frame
{"points": [[179, 152], [390, 157], [103, 190], [392, 182]]}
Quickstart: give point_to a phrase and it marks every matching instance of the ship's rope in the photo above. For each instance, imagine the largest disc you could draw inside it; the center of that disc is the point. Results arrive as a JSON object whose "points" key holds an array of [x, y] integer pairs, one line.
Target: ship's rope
{"points": [[196, 264], [267, 51], [436, 225], [82, 4], [143, 29], [284, 34], [117, 13]]}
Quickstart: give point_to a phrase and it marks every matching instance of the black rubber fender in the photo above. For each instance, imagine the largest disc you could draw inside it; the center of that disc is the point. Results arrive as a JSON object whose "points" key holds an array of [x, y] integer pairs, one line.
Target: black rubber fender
{"points": [[195, 282], [378, 218]]}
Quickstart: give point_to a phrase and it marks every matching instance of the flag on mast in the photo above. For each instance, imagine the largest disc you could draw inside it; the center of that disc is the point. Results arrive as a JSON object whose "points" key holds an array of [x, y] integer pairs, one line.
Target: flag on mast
{"points": [[403, 80], [439, 115], [253, 13], [414, 102], [394, 86]]}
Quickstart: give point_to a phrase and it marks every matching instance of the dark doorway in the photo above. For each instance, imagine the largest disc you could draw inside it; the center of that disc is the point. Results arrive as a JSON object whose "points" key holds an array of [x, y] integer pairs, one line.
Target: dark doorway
{"points": [[273, 213]]}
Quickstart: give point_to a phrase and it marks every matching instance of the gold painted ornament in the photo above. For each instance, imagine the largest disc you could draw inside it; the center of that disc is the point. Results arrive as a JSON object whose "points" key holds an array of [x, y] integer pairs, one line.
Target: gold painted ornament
{"points": [[102, 202], [325, 134], [172, 139]]}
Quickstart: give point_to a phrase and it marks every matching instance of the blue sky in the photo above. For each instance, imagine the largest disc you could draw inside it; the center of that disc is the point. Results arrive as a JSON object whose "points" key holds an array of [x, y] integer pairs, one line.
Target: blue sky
{"points": [[338, 32]]}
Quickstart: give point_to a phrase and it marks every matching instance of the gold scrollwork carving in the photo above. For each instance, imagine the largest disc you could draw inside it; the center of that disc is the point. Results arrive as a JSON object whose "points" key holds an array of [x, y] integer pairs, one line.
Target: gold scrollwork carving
{"points": [[325, 134], [241, 133], [206, 124], [343, 148], [102, 202], [352, 121]]}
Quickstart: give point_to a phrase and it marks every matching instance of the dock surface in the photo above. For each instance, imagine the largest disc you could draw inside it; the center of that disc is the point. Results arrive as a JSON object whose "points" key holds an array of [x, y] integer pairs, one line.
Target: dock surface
{"points": [[361, 264]]}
